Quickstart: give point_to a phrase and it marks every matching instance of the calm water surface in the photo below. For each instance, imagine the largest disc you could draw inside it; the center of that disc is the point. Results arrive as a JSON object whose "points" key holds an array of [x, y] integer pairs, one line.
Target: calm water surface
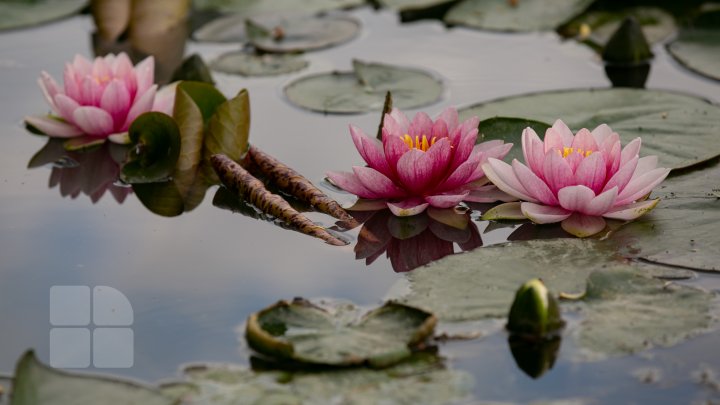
{"points": [[193, 279]]}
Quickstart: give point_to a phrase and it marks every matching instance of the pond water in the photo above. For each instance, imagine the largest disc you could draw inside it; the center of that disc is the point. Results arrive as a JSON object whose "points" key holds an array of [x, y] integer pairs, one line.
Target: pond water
{"points": [[193, 279]]}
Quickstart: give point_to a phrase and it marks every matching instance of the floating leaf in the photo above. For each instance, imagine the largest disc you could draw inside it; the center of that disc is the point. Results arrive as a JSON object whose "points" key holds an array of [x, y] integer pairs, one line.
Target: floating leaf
{"points": [[698, 47], [24, 13], [254, 8], [338, 334], [626, 313], [682, 230], [36, 383], [229, 128], [681, 130], [251, 64], [300, 34], [156, 147], [364, 89], [205, 96], [509, 130], [523, 15]]}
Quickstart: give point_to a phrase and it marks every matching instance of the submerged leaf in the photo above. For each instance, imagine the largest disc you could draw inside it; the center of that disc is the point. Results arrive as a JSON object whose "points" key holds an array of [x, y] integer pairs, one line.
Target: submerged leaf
{"points": [[336, 333], [681, 130]]}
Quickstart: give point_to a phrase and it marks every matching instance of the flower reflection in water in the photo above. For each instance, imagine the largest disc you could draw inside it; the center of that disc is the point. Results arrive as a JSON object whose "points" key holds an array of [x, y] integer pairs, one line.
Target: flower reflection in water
{"points": [[410, 242], [91, 172]]}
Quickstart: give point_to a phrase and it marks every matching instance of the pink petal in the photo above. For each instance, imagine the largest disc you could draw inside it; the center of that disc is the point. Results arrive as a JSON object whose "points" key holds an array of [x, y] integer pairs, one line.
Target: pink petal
{"points": [[601, 133], [450, 117], [602, 203], [446, 200], [584, 141], [574, 159], [394, 147], [71, 84], [533, 151], [461, 175], [116, 101], [621, 178], [534, 184], [370, 150], [101, 69], [645, 164], [66, 107], [583, 226], [350, 183], [141, 105], [144, 73], [377, 183], [495, 150], [630, 151], [439, 130], [165, 99], [53, 127], [543, 214], [49, 88], [420, 125], [591, 172], [614, 157], [486, 146], [642, 185], [401, 120], [439, 156], [82, 65], [561, 128], [632, 211], [557, 172], [575, 198], [464, 148], [553, 141], [391, 127], [414, 170], [503, 176], [93, 121], [407, 208]]}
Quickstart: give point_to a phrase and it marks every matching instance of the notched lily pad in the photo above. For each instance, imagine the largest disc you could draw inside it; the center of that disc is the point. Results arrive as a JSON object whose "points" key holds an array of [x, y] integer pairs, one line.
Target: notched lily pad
{"points": [[681, 130], [626, 312], [283, 35], [265, 7], [338, 334], [523, 15], [698, 47], [364, 89], [24, 13], [247, 63]]}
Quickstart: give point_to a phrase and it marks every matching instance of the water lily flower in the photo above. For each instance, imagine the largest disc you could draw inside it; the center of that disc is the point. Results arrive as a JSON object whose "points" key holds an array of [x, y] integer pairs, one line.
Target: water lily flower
{"points": [[101, 98], [423, 163], [578, 179]]}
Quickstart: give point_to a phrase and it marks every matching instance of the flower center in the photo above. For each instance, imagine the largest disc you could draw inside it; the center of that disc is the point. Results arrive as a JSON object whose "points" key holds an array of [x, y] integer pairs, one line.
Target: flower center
{"points": [[419, 143], [566, 151]]}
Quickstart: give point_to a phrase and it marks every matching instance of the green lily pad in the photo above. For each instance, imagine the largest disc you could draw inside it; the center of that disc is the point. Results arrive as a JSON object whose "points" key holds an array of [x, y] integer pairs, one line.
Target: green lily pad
{"points": [[290, 35], [36, 383], [338, 334], [627, 313], [24, 13], [656, 24], [524, 15], [156, 147], [364, 89], [681, 130], [682, 230], [509, 130], [480, 284], [259, 7], [403, 5], [421, 379], [698, 47], [246, 63]]}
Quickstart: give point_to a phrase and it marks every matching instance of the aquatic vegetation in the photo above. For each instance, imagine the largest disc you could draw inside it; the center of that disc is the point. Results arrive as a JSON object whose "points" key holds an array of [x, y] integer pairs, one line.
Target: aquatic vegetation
{"points": [[579, 179], [100, 98], [422, 163]]}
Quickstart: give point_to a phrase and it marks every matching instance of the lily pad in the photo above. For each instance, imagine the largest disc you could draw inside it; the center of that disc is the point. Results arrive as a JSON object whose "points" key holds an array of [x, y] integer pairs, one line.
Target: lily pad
{"points": [[509, 130], [403, 5], [480, 284], [364, 89], [156, 141], [626, 313], [656, 24], [698, 47], [36, 383], [286, 35], [24, 13], [681, 130], [338, 334], [260, 7], [246, 63], [523, 15], [682, 230]]}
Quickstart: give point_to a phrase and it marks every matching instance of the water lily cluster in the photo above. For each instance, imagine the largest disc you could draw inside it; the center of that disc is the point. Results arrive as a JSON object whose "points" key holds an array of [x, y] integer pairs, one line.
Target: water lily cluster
{"points": [[576, 179], [100, 98]]}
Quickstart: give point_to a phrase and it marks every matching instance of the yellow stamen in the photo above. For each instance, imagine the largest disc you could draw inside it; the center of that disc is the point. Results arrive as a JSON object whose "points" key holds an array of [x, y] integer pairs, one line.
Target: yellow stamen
{"points": [[418, 143], [567, 151]]}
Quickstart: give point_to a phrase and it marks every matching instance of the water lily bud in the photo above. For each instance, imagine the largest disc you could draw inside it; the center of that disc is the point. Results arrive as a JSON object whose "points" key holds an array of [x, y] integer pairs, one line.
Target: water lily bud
{"points": [[534, 312], [536, 357], [628, 44]]}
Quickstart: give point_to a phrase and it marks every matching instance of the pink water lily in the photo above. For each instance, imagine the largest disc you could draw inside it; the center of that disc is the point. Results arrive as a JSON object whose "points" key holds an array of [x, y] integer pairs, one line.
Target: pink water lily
{"points": [[100, 98], [578, 179], [423, 163]]}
